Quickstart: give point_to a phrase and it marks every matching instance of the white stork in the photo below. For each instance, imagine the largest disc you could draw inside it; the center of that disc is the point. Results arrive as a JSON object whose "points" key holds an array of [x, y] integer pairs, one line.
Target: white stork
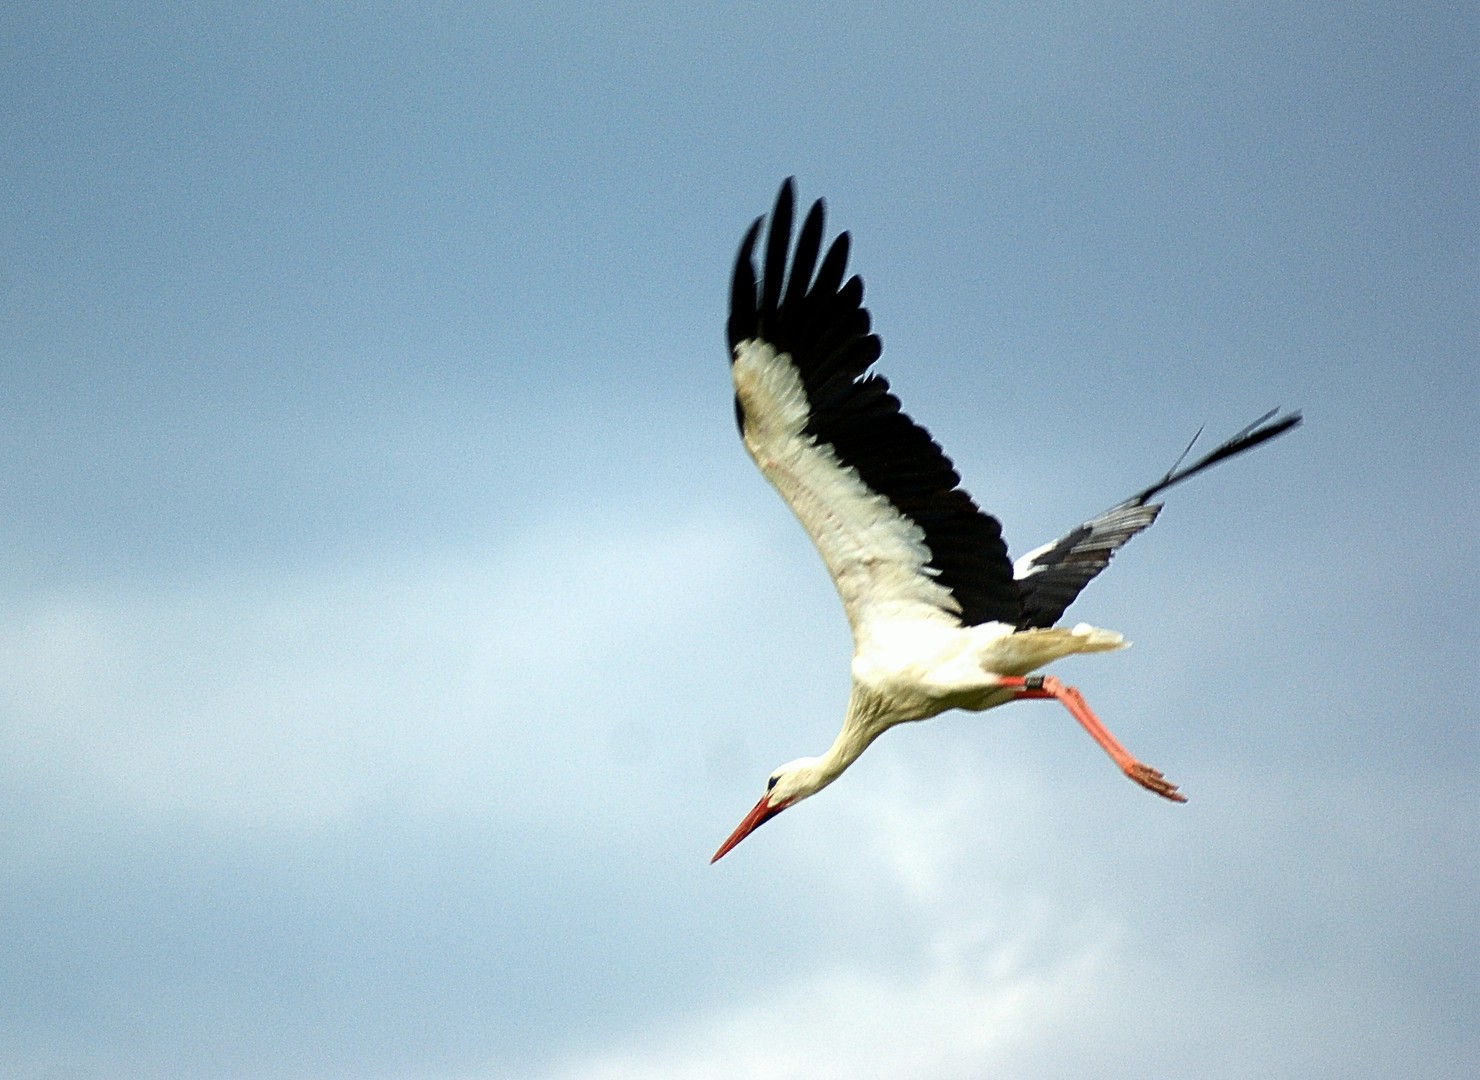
{"points": [[941, 618]]}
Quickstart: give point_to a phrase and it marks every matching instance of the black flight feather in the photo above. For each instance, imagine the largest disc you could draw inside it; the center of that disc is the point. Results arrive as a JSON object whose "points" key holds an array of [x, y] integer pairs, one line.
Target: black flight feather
{"points": [[1051, 577]]}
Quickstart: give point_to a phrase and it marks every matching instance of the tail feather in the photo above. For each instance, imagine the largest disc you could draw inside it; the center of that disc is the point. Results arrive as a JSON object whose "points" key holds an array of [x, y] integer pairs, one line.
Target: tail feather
{"points": [[1029, 650]]}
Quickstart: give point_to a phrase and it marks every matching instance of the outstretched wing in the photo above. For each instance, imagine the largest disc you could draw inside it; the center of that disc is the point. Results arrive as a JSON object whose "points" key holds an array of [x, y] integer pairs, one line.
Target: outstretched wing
{"points": [[1051, 577], [881, 501]]}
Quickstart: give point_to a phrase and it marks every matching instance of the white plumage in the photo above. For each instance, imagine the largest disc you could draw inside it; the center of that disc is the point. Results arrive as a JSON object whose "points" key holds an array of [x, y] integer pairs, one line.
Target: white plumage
{"points": [[940, 618]]}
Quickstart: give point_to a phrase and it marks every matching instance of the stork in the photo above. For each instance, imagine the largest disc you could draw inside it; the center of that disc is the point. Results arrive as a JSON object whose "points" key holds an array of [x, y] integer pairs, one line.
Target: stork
{"points": [[941, 618]]}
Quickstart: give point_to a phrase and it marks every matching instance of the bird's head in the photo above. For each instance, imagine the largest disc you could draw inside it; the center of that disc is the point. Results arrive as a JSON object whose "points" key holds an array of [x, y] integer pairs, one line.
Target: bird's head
{"points": [[787, 786]]}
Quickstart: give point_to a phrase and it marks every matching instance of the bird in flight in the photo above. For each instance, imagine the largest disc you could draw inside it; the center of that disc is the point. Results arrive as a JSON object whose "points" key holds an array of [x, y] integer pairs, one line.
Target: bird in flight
{"points": [[941, 618]]}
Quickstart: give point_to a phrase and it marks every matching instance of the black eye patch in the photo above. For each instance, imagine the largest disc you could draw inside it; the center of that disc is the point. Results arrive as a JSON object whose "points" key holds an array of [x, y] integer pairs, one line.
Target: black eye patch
{"points": [[771, 782]]}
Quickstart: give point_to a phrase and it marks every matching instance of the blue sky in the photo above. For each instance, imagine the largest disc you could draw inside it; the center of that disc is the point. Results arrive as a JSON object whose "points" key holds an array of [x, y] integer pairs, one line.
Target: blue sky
{"points": [[391, 625]]}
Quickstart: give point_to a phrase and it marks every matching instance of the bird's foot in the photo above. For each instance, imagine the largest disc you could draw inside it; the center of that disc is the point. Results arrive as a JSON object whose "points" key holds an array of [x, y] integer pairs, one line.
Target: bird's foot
{"points": [[1152, 780]]}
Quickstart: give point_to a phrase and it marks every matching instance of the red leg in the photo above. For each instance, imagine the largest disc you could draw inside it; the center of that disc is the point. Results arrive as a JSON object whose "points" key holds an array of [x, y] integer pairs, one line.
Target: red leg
{"points": [[1046, 686]]}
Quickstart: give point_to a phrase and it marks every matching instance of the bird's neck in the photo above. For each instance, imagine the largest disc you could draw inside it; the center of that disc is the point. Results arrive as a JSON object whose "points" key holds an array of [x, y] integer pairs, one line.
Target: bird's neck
{"points": [[861, 726]]}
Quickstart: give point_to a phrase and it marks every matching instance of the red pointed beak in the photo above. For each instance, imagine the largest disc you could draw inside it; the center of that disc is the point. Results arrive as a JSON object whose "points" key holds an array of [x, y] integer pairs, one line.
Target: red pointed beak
{"points": [[761, 814]]}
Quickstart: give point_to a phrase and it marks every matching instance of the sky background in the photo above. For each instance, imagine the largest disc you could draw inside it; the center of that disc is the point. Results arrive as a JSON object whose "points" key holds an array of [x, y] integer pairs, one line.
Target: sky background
{"points": [[391, 624]]}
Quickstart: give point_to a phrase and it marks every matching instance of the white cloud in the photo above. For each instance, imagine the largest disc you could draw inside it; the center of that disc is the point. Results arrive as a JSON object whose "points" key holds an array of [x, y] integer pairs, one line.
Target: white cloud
{"points": [[295, 700], [970, 1009], [975, 898]]}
